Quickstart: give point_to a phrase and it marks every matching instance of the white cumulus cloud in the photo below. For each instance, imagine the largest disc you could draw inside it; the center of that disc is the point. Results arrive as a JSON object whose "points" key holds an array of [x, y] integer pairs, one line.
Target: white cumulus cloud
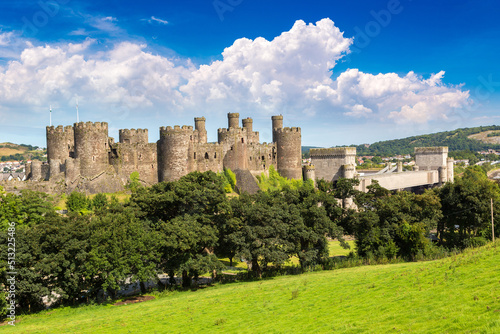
{"points": [[290, 73]]}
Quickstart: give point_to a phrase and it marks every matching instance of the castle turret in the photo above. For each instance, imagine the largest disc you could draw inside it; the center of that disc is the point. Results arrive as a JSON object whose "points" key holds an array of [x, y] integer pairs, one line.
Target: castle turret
{"points": [[199, 125], [289, 152], [60, 142], [233, 120], [348, 171], [91, 147], [173, 152], [36, 170], [133, 136], [248, 124], [54, 167], [277, 124], [431, 158], [310, 174]]}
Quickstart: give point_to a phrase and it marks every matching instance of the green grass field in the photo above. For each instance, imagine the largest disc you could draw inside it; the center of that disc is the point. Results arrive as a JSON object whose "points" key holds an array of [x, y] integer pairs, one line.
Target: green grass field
{"points": [[460, 294]]}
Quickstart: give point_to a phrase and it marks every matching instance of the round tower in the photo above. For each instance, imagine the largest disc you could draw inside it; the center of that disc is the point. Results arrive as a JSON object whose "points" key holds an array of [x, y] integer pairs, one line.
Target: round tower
{"points": [[289, 152], [310, 174], [36, 170], [133, 136], [349, 171], [277, 124], [71, 170], [91, 147], [173, 152], [54, 167], [233, 120], [248, 124], [199, 125], [60, 142]]}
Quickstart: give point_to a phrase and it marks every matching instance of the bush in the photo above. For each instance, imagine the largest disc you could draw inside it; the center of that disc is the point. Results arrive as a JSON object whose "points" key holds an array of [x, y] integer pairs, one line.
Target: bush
{"points": [[78, 202], [230, 178]]}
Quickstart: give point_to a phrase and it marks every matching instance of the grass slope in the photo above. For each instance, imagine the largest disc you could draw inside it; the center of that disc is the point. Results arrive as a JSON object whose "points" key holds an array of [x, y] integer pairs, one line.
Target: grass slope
{"points": [[460, 294]]}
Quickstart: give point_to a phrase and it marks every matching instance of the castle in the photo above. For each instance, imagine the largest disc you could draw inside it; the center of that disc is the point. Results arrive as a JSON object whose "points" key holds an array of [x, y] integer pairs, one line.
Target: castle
{"points": [[85, 158]]}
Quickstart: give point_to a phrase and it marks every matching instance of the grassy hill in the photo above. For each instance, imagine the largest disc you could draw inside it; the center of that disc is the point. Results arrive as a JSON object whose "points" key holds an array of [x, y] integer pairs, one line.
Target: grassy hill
{"points": [[7, 149], [487, 137], [460, 294], [10, 151]]}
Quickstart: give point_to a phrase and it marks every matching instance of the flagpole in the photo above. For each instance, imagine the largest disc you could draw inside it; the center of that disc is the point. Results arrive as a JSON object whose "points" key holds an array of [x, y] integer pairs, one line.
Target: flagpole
{"points": [[50, 113]]}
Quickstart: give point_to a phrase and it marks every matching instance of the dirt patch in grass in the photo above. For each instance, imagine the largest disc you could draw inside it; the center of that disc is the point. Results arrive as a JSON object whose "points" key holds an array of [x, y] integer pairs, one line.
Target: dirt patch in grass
{"points": [[135, 299]]}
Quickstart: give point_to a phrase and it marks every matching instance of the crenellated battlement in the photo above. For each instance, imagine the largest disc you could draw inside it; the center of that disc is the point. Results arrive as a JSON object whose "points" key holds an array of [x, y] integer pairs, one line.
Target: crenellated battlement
{"points": [[288, 130], [132, 131], [133, 136], [176, 129], [332, 152], [59, 129], [96, 126]]}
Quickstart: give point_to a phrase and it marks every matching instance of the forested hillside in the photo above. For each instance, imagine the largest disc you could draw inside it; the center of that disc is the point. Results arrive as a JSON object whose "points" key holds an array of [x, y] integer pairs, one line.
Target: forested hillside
{"points": [[456, 140]]}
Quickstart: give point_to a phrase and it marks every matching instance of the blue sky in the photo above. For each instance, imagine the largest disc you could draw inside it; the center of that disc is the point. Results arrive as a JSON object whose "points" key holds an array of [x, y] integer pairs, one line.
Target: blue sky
{"points": [[346, 72]]}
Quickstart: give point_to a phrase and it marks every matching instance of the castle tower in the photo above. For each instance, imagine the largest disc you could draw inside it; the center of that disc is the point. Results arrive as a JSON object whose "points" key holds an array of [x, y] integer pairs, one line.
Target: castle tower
{"points": [[289, 152], [133, 136], [248, 124], [431, 158], [349, 171], [310, 174], [173, 152], [277, 124], [91, 147], [233, 120], [329, 162], [36, 170], [54, 167], [199, 125], [60, 142]]}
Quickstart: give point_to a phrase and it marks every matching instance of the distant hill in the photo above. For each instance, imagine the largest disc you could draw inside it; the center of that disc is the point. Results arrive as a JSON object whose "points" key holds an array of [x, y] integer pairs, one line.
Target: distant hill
{"points": [[305, 151], [456, 140], [464, 139], [10, 151], [487, 137]]}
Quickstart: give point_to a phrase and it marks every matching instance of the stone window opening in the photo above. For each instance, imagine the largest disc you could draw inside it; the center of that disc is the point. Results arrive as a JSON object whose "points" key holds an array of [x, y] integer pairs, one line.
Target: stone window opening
{"points": [[194, 156], [250, 158], [263, 158], [215, 155], [231, 148], [242, 140], [206, 155]]}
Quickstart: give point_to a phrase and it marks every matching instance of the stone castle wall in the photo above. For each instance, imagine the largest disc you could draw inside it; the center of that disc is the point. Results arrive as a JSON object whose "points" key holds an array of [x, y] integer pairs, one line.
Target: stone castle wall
{"points": [[329, 162], [86, 158]]}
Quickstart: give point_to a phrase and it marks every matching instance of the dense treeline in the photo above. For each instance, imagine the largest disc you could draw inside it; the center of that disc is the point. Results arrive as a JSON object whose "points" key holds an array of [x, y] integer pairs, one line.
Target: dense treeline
{"points": [[183, 228]]}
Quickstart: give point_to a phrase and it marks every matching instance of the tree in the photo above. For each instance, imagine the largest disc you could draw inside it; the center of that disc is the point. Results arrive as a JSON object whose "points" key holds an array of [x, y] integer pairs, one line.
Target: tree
{"points": [[77, 202], [398, 224], [121, 247], [466, 209], [187, 213], [99, 202]]}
